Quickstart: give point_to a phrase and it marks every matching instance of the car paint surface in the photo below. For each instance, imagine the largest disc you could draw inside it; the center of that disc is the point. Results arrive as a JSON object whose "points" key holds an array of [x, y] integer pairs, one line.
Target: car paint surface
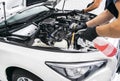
{"points": [[33, 60]]}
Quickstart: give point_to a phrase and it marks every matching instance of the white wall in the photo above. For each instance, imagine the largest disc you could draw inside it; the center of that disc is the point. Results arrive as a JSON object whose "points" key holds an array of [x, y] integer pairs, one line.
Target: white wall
{"points": [[80, 4]]}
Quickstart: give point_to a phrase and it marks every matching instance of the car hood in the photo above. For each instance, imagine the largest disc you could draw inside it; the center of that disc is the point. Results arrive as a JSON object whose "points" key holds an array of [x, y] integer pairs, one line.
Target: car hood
{"points": [[46, 2]]}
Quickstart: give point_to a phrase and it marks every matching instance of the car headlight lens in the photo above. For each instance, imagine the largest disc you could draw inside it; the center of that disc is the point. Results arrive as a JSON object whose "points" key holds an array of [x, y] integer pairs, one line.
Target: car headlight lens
{"points": [[76, 70]]}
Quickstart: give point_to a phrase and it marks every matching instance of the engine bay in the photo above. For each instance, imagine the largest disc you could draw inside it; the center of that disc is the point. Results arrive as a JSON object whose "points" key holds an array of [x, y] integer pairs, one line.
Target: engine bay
{"points": [[54, 31]]}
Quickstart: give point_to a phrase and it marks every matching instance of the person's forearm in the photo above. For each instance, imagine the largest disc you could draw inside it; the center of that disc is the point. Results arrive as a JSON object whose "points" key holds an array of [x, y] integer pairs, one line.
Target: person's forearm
{"points": [[100, 19], [109, 30]]}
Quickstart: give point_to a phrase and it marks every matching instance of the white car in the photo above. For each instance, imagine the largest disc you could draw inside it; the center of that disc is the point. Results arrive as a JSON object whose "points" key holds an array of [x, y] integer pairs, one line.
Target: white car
{"points": [[37, 44]]}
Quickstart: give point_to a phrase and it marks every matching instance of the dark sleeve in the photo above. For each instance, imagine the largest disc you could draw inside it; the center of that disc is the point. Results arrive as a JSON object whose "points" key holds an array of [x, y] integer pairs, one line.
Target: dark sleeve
{"points": [[111, 7]]}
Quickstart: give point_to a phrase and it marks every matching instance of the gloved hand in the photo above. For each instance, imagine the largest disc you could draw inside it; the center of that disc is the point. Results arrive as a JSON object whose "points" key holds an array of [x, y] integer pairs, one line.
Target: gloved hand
{"points": [[90, 4], [89, 34], [76, 12], [78, 27]]}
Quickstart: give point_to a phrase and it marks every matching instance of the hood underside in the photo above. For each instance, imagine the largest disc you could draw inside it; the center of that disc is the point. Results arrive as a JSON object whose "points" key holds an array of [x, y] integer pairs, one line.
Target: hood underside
{"points": [[31, 2], [47, 2]]}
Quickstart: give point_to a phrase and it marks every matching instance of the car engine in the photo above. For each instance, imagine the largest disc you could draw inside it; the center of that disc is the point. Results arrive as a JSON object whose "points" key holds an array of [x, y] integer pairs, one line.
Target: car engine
{"points": [[54, 31]]}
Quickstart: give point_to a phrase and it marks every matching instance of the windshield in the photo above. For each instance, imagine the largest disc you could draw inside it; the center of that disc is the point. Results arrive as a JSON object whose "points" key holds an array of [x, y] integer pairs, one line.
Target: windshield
{"points": [[24, 14]]}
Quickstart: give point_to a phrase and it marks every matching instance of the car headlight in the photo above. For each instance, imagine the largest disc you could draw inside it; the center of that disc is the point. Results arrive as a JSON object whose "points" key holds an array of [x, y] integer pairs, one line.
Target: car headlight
{"points": [[76, 70]]}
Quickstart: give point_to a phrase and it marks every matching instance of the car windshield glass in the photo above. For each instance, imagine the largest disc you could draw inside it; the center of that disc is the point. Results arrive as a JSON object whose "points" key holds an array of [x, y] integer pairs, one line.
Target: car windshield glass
{"points": [[24, 14]]}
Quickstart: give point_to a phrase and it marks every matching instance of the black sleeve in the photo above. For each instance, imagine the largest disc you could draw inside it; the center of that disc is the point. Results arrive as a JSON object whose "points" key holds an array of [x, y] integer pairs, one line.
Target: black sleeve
{"points": [[111, 7]]}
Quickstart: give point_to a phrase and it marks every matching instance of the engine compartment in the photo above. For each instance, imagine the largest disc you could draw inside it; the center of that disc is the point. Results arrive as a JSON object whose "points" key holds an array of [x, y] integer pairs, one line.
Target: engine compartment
{"points": [[54, 32]]}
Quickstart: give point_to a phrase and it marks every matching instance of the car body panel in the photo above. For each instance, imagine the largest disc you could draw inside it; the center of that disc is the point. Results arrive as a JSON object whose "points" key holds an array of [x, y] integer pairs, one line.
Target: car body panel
{"points": [[12, 6], [34, 59]]}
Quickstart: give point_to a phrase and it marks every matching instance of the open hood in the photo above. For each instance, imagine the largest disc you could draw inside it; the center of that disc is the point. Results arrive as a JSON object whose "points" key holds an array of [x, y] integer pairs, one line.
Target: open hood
{"points": [[13, 6], [31, 2], [46, 2]]}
